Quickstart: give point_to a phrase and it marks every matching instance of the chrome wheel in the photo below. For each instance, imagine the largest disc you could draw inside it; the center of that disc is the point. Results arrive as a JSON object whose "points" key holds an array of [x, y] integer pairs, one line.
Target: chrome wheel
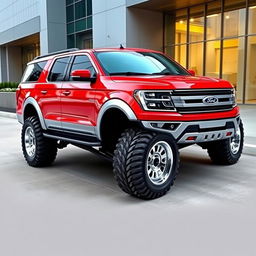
{"points": [[235, 142], [159, 162], [30, 141]]}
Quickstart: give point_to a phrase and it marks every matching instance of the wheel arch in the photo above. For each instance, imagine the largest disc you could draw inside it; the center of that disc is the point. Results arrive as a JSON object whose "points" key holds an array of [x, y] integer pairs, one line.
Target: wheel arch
{"points": [[114, 104], [29, 105]]}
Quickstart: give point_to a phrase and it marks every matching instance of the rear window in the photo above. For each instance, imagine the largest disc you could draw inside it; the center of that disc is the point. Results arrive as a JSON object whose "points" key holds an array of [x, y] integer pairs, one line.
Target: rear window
{"points": [[33, 72]]}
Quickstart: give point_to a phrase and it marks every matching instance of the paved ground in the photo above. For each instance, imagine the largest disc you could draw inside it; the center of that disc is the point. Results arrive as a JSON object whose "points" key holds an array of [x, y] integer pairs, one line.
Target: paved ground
{"points": [[75, 208]]}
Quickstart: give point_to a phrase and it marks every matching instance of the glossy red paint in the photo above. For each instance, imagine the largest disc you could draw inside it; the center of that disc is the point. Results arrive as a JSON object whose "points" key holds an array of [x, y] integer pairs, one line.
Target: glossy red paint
{"points": [[80, 102]]}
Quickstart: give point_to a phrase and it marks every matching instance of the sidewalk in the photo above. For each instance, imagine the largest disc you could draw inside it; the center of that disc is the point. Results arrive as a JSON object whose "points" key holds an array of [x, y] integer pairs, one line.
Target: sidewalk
{"points": [[248, 114]]}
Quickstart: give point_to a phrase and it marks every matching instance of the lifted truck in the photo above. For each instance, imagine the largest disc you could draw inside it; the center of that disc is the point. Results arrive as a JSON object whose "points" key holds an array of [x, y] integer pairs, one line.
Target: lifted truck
{"points": [[136, 107]]}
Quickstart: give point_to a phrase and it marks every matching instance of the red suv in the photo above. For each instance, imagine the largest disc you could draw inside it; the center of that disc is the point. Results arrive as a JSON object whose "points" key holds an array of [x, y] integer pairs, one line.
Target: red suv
{"points": [[135, 107]]}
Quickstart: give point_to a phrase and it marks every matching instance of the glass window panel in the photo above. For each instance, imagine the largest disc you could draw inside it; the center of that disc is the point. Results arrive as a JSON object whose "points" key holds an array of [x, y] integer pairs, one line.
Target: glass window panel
{"points": [[250, 96], [213, 20], [252, 17], [80, 25], [233, 64], [89, 22], [180, 54], [89, 7], [196, 24], [80, 10], [234, 18], [71, 41], [196, 58], [181, 26], [70, 13], [69, 2], [70, 28], [83, 62], [57, 72], [212, 59], [33, 72]]}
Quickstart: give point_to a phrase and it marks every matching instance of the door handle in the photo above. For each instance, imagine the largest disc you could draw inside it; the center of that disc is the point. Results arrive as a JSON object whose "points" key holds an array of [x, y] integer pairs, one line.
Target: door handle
{"points": [[66, 93], [44, 92]]}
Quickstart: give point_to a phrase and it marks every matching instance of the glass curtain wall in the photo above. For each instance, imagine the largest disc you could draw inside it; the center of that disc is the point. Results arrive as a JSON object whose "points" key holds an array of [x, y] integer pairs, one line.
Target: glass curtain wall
{"points": [[79, 23], [217, 39]]}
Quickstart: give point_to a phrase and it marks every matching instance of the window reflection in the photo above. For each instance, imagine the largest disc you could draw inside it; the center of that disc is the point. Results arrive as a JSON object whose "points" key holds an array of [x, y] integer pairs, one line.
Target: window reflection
{"points": [[213, 59], [233, 64], [196, 58], [196, 24], [213, 20], [250, 96]]}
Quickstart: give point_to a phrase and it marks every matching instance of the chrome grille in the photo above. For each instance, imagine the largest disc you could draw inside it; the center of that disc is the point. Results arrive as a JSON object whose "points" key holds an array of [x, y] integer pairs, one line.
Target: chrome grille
{"points": [[207, 100]]}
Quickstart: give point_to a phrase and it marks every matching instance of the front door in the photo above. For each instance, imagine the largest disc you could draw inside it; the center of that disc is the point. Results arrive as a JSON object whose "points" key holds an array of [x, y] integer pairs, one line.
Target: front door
{"points": [[77, 99]]}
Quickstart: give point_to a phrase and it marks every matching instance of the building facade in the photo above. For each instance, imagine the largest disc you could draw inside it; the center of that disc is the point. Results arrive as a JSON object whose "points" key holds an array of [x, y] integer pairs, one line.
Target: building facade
{"points": [[216, 38]]}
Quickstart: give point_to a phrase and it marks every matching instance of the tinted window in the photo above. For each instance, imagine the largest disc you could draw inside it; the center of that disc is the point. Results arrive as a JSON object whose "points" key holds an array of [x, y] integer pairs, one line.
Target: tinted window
{"points": [[83, 62], [33, 72], [132, 63], [58, 70]]}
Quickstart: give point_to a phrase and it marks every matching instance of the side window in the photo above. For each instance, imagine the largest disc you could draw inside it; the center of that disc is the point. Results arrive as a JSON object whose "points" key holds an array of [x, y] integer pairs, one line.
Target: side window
{"points": [[33, 72], [83, 62], [58, 69]]}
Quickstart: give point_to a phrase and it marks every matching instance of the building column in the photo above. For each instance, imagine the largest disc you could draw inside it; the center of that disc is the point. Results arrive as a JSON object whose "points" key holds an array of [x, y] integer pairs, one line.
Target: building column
{"points": [[109, 23], [3, 64], [115, 24], [53, 35], [13, 63]]}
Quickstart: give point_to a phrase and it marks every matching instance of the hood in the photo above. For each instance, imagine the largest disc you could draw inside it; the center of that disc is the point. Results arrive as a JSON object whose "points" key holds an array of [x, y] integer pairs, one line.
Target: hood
{"points": [[172, 82]]}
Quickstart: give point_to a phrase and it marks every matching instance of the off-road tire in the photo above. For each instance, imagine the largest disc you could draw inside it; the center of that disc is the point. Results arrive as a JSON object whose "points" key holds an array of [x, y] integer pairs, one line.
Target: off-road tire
{"points": [[45, 150], [220, 151], [129, 163]]}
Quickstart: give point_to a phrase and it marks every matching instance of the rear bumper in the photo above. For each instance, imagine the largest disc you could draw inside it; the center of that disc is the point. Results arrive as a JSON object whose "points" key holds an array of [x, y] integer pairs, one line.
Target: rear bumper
{"points": [[196, 131]]}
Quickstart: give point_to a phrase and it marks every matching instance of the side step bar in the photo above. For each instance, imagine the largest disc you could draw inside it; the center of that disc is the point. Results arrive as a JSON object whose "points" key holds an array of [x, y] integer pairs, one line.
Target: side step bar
{"points": [[73, 141]]}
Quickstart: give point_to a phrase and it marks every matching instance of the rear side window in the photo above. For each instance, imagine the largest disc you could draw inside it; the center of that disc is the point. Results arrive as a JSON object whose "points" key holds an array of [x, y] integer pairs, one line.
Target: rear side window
{"points": [[33, 72], [83, 62], [58, 69]]}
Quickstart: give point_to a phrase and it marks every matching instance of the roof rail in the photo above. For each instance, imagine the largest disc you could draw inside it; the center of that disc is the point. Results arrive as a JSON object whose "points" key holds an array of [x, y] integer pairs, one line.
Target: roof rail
{"points": [[58, 52]]}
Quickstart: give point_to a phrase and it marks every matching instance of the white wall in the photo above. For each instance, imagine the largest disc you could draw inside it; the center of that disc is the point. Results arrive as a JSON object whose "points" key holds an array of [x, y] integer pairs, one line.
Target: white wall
{"points": [[144, 29], [13, 13], [115, 24], [53, 26], [109, 23]]}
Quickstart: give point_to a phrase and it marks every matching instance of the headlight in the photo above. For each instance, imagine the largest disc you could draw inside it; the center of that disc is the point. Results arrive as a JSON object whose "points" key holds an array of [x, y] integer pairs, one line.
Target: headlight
{"points": [[155, 100], [233, 97]]}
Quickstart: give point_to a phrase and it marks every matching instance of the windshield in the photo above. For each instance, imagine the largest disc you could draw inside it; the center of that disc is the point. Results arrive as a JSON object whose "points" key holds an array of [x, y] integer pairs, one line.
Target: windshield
{"points": [[138, 63]]}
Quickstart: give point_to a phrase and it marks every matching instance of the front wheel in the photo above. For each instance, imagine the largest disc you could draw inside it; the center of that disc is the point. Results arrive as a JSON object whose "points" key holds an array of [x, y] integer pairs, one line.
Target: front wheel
{"points": [[145, 163], [228, 151]]}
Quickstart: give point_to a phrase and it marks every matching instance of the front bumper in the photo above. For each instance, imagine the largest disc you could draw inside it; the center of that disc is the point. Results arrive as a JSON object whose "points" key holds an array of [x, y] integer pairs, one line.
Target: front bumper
{"points": [[196, 131]]}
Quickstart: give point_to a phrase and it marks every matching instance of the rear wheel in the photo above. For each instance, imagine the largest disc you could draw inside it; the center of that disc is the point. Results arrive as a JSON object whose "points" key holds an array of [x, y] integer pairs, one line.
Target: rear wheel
{"points": [[37, 150], [145, 163], [228, 151]]}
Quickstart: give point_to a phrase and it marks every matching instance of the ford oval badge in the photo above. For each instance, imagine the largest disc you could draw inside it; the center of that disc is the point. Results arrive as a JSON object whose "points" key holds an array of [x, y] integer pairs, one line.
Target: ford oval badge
{"points": [[210, 100]]}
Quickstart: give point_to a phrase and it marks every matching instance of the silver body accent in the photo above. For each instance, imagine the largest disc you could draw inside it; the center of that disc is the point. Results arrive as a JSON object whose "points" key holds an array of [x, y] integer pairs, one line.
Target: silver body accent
{"points": [[201, 136]]}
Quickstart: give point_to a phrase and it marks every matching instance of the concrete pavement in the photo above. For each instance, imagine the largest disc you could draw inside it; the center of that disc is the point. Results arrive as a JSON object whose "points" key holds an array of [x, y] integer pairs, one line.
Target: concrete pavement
{"points": [[75, 207]]}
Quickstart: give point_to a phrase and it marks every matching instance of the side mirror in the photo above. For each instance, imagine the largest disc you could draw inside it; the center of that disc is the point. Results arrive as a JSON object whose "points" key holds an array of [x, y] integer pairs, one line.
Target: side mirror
{"points": [[192, 72], [82, 75]]}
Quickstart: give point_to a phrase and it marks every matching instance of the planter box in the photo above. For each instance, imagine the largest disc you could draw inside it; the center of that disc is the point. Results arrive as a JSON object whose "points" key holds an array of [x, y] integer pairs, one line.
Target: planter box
{"points": [[8, 101]]}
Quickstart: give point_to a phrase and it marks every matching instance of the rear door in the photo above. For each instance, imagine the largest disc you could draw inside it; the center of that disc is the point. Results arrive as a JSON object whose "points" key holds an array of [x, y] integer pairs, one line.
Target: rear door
{"points": [[77, 99], [51, 92]]}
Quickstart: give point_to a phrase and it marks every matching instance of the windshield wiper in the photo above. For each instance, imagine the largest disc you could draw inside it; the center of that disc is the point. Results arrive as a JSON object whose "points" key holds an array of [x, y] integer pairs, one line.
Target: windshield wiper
{"points": [[129, 74], [165, 73]]}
